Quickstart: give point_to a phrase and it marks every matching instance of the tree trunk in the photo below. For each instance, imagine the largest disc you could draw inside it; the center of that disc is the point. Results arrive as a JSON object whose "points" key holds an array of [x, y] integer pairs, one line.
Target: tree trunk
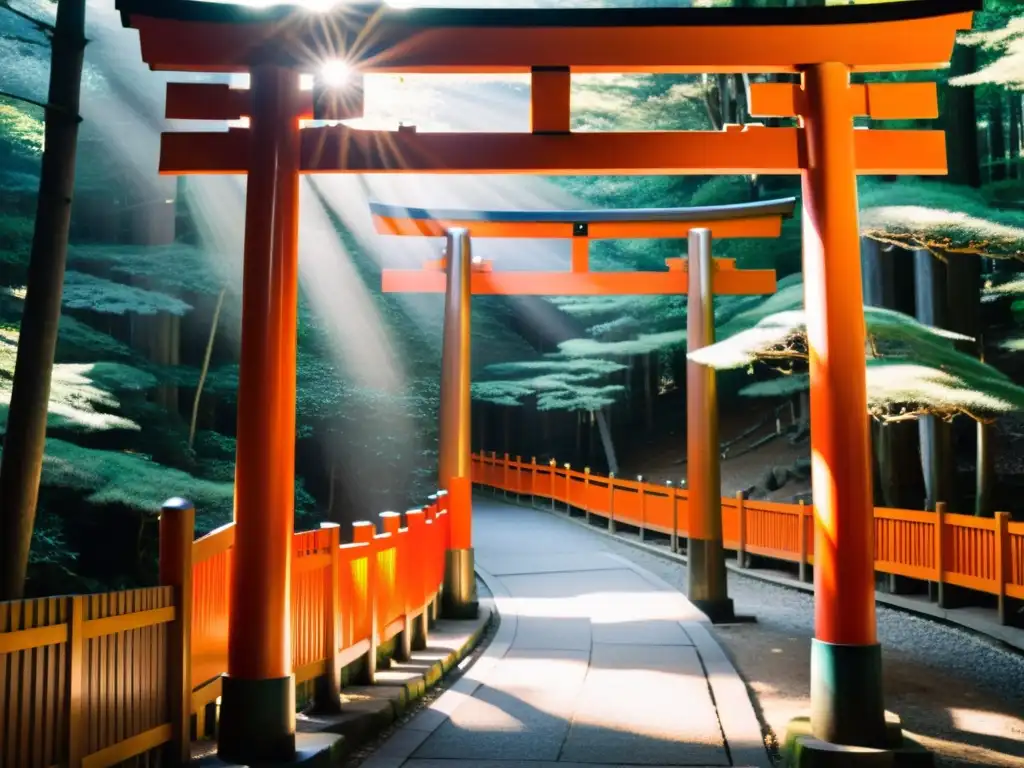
{"points": [[936, 447], [1014, 108], [25, 440], [964, 284], [648, 394], [606, 442], [898, 481], [206, 367], [961, 122], [997, 140]]}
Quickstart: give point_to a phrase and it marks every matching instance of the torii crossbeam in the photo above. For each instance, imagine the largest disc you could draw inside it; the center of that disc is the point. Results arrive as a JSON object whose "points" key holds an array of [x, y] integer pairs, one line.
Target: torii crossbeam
{"points": [[698, 277]]}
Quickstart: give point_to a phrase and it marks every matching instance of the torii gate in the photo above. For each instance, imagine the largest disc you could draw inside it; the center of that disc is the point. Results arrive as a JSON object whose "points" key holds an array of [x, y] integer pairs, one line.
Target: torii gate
{"points": [[698, 277], [825, 46]]}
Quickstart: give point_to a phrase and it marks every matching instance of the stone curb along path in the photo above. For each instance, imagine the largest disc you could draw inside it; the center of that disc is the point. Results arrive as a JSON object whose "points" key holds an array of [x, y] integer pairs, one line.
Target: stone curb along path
{"points": [[369, 710]]}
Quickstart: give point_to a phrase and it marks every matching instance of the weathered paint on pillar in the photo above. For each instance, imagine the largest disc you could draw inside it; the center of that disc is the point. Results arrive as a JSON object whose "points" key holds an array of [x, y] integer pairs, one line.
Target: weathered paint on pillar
{"points": [[455, 453], [258, 705], [846, 685], [705, 555]]}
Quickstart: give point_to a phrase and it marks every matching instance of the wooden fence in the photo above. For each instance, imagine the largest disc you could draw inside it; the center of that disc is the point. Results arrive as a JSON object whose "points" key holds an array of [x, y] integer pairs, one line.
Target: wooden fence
{"points": [[90, 681], [981, 554]]}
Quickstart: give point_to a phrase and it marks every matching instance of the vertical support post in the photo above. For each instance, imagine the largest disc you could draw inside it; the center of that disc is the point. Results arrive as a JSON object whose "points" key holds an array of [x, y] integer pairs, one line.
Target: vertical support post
{"points": [[364, 532], [177, 529], [580, 249], [391, 523], [846, 659], [586, 494], [643, 505], [708, 588], [568, 489], [674, 536], [258, 702], [942, 596], [611, 502], [459, 599], [416, 522], [549, 99], [741, 512], [519, 469], [533, 481], [75, 719], [554, 476], [504, 476], [803, 542], [327, 690], [1002, 562]]}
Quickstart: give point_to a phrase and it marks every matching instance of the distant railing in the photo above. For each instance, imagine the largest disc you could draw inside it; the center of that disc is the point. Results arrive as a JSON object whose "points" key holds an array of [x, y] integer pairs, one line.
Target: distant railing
{"points": [[981, 554], [90, 681]]}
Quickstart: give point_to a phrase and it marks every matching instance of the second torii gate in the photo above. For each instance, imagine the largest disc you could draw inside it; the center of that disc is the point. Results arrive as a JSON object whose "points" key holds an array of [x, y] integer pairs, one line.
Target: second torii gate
{"points": [[460, 276]]}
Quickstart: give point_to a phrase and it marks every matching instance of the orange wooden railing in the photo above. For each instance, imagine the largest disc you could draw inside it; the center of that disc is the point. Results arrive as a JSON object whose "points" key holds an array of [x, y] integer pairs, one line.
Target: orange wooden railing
{"points": [[91, 681], [982, 554]]}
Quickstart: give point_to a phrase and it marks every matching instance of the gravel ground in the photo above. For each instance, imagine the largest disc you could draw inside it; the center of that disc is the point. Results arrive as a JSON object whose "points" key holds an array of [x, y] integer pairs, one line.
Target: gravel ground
{"points": [[960, 693]]}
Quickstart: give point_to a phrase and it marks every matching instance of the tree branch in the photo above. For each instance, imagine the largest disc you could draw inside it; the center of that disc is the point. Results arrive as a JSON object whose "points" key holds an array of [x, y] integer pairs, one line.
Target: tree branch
{"points": [[45, 27], [40, 104]]}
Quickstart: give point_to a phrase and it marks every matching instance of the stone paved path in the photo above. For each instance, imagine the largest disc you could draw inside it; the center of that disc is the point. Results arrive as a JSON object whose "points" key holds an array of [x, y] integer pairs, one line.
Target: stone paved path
{"points": [[596, 663]]}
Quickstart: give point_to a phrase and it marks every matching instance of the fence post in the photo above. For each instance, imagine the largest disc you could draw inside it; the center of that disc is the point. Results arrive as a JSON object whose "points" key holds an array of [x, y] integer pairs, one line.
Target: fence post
{"points": [[554, 475], [504, 476], [418, 547], [568, 489], [1002, 561], [643, 506], [519, 478], [674, 533], [177, 531], [586, 494], [327, 689], [363, 532], [741, 512], [803, 541], [611, 502], [494, 463], [75, 735], [940, 566], [533, 481], [391, 524]]}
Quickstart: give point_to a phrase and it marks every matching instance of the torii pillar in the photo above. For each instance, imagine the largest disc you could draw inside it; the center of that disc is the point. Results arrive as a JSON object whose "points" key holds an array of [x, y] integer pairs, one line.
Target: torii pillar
{"points": [[257, 721], [707, 584], [459, 598]]}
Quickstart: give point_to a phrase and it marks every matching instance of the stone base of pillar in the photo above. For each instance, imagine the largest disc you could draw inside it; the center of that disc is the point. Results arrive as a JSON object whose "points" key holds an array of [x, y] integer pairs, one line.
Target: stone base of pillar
{"points": [[459, 600], [257, 720], [803, 750], [720, 611], [847, 706]]}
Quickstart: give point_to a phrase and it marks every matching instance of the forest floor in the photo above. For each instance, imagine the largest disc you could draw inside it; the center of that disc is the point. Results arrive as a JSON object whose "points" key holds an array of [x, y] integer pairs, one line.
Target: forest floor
{"points": [[660, 457]]}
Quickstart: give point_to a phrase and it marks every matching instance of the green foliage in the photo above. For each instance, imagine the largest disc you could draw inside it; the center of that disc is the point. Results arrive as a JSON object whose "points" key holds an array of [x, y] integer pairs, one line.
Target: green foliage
{"points": [[173, 268], [912, 369], [22, 130], [133, 481], [82, 291], [941, 217], [81, 395]]}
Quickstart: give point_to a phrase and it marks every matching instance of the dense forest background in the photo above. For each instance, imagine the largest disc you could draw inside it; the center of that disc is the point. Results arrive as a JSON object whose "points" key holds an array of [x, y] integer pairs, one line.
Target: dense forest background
{"points": [[144, 390]]}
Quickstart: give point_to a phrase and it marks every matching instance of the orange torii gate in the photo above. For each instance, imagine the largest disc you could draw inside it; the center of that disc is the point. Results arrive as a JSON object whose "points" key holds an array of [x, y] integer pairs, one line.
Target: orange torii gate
{"points": [[825, 46], [699, 277]]}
